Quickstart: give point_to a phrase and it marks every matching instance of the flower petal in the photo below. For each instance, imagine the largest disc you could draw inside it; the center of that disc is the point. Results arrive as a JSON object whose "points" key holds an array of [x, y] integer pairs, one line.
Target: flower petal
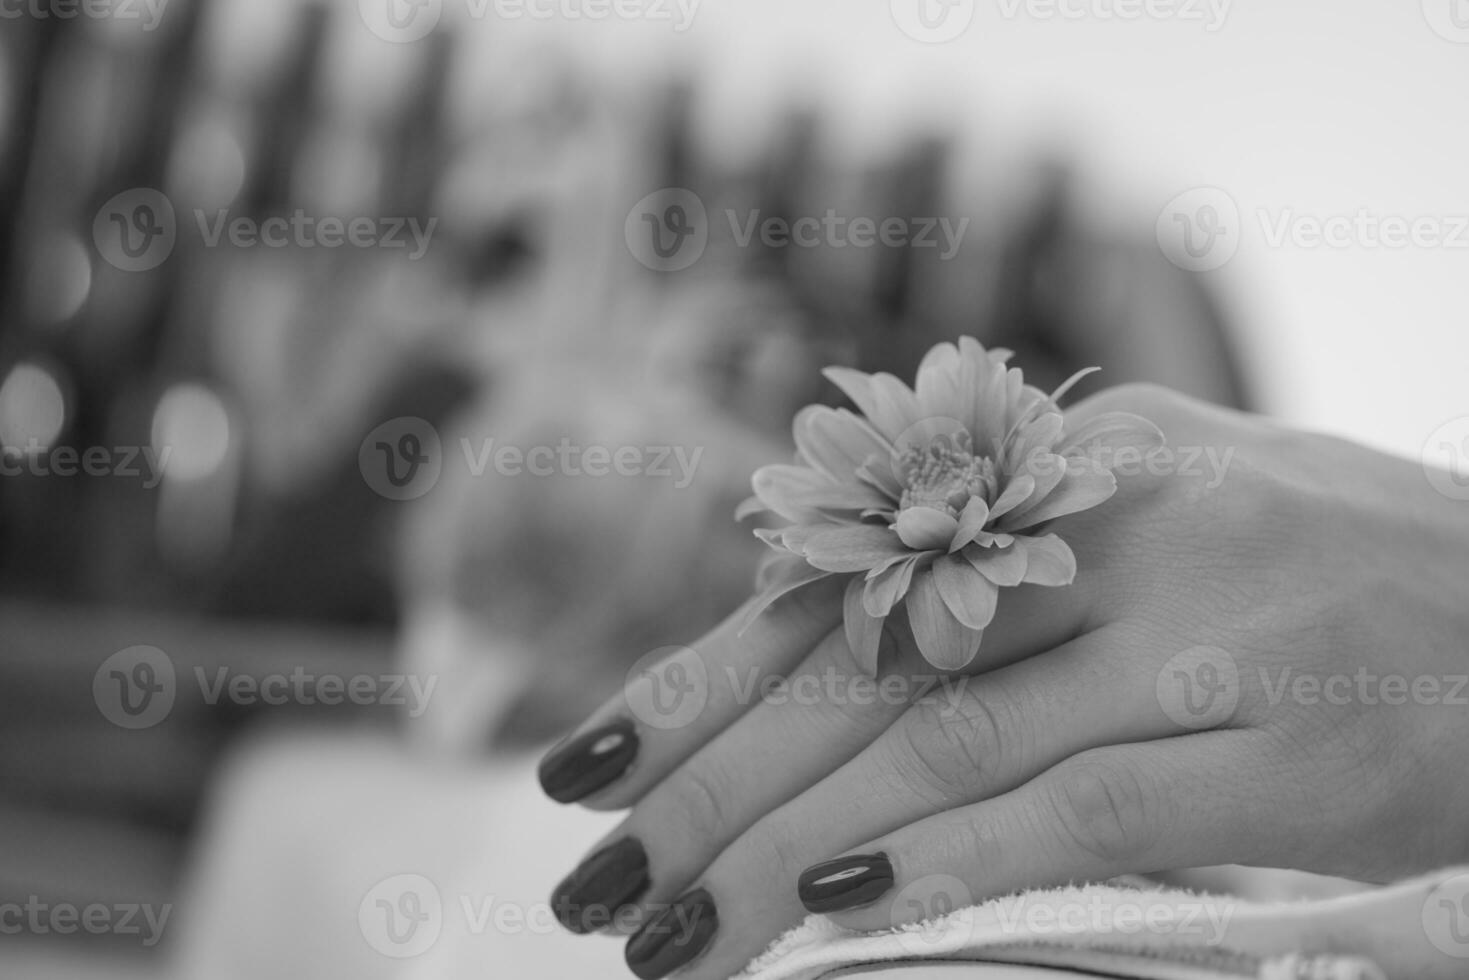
{"points": [[884, 589], [778, 578], [835, 441], [990, 420], [1112, 432], [970, 596], [772, 537], [839, 498], [1071, 382], [853, 547], [937, 387], [1051, 560], [1083, 487], [779, 485], [888, 403], [1002, 566], [1016, 492], [749, 507], [972, 520], [1040, 434], [923, 528], [877, 471], [944, 641], [944, 356], [864, 632]]}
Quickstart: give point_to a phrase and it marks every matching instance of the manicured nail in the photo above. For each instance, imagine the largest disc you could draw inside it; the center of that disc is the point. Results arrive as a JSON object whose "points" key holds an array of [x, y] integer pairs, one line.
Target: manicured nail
{"points": [[591, 895], [845, 883], [589, 762], [674, 938]]}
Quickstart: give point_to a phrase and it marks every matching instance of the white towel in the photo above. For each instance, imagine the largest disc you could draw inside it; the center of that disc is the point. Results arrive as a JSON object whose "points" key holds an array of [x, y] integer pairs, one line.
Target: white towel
{"points": [[1416, 930]]}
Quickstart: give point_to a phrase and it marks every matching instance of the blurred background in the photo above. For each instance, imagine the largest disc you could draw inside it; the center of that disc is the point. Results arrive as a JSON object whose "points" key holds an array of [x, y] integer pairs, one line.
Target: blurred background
{"points": [[250, 458]]}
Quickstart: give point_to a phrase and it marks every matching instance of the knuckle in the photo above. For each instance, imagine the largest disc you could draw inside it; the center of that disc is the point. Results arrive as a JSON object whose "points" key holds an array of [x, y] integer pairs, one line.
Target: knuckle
{"points": [[697, 795], [954, 746], [1105, 811], [781, 846]]}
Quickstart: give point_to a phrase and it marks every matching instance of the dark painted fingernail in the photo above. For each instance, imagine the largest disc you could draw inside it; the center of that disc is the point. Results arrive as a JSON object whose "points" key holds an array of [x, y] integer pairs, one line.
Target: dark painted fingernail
{"points": [[674, 937], [589, 762], [591, 895], [845, 883]]}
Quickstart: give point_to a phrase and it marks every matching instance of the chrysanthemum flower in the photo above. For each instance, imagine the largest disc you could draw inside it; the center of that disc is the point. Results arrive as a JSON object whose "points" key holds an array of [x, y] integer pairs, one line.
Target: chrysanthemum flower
{"points": [[936, 497]]}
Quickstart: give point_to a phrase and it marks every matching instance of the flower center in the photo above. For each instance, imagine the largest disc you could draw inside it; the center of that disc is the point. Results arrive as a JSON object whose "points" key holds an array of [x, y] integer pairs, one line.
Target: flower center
{"points": [[944, 476]]}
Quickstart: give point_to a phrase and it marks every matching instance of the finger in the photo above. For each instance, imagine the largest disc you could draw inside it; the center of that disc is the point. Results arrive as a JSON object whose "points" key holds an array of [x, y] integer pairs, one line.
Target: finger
{"points": [[976, 738], [669, 709], [675, 704], [802, 727], [1200, 799]]}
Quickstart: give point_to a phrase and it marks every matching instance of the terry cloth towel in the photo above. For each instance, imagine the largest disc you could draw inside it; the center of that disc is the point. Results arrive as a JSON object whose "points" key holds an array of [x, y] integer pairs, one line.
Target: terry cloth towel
{"points": [[1415, 930]]}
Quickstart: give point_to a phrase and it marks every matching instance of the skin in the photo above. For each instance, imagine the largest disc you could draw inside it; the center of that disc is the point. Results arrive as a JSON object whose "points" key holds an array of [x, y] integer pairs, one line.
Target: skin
{"points": [[1328, 577]]}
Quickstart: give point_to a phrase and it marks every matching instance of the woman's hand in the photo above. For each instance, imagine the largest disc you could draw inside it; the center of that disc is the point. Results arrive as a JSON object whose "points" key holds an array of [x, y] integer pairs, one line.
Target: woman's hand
{"points": [[1261, 661]]}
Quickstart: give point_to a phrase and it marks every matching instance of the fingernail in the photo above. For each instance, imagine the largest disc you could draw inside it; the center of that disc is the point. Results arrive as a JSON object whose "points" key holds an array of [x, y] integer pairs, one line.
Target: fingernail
{"points": [[589, 762], [845, 883], [591, 895], [674, 938]]}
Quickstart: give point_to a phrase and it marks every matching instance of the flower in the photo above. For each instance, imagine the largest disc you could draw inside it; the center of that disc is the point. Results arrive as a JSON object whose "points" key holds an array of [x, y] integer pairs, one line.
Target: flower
{"points": [[937, 496]]}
